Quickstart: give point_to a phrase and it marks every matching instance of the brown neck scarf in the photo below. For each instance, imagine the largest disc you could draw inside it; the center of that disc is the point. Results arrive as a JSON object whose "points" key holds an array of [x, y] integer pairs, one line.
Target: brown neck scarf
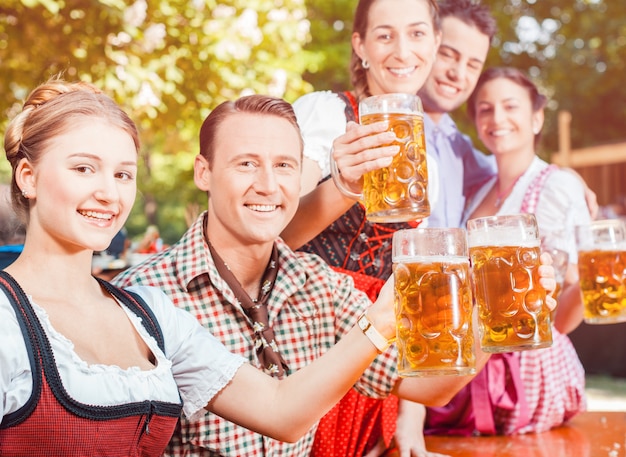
{"points": [[256, 310]]}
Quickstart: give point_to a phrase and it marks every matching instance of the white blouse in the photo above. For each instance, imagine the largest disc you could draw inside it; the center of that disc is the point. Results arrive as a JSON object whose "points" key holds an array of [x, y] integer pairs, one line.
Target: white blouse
{"points": [[561, 204], [321, 117], [195, 364]]}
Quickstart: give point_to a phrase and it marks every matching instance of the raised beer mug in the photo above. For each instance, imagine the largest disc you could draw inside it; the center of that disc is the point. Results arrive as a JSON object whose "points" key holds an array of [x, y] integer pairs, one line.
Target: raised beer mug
{"points": [[433, 302], [602, 270], [512, 311], [399, 192]]}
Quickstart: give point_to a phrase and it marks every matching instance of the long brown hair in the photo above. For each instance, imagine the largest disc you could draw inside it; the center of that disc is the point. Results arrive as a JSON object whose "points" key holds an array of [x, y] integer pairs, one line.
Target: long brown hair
{"points": [[537, 100]]}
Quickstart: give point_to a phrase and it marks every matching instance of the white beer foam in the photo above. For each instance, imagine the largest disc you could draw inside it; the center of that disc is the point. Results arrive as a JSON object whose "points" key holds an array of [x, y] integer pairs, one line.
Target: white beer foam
{"points": [[603, 247], [502, 237], [425, 259], [403, 111]]}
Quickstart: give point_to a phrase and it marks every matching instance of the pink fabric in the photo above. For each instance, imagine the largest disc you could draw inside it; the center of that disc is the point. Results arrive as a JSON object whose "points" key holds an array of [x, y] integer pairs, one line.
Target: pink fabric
{"points": [[531, 197], [554, 387], [497, 386], [550, 390]]}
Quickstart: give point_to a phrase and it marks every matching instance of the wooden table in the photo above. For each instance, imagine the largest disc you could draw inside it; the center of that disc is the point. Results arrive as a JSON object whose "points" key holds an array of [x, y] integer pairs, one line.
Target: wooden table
{"points": [[590, 434]]}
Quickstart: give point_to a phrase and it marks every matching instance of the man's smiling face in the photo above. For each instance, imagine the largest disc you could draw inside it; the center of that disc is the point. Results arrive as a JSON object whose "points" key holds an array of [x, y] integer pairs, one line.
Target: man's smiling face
{"points": [[458, 65]]}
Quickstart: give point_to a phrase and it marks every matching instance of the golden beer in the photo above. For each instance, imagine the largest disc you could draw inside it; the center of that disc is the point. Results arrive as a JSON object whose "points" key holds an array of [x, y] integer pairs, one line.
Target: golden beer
{"points": [[603, 285], [399, 192], [433, 301], [511, 303]]}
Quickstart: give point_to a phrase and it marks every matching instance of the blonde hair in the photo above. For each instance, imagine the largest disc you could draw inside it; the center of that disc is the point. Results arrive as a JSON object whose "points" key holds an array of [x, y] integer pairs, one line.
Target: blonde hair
{"points": [[49, 111]]}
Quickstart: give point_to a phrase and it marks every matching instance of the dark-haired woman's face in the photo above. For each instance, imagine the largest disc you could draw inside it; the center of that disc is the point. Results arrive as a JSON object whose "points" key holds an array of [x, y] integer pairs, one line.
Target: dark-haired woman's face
{"points": [[399, 45], [505, 120]]}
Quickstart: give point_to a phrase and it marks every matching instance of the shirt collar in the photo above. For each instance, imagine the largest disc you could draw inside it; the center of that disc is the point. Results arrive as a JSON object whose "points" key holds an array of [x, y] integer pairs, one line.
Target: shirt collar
{"points": [[445, 125], [192, 259], [190, 255]]}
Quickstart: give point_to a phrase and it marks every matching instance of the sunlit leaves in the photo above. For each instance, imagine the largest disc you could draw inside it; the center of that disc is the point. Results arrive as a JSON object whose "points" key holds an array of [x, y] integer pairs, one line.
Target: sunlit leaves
{"points": [[167, 62]]}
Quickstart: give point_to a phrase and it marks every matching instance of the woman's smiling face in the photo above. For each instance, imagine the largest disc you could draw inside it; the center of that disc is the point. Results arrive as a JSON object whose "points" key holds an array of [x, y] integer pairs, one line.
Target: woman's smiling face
{"points": [[505, 119], [400, 45]]}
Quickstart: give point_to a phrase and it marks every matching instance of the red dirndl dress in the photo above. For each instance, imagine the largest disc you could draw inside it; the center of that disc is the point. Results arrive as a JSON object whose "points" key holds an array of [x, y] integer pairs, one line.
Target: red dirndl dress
{"points": [[356, 423], [355, 246]]}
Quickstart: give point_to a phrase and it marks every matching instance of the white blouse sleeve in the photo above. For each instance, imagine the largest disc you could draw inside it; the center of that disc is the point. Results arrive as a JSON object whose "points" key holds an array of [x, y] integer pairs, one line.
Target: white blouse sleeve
{"points": [[562, 205], [321, 117], [15, 374], [201, 365]]}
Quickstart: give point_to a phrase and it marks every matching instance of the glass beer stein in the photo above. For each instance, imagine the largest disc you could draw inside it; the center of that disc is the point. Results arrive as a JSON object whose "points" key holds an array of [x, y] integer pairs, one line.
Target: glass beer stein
{"points": [[512, 311], [399, 192], [555, 243], [602, 270], [433, 302]]}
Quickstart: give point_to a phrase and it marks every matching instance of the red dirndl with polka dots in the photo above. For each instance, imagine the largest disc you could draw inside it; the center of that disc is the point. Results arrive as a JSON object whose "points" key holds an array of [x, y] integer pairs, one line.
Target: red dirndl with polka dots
{"points": [[362, 249], [357, 422]]}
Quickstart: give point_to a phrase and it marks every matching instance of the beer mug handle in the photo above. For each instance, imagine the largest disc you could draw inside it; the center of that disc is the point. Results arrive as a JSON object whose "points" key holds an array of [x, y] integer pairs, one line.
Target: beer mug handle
{"points": [[336, 175]]}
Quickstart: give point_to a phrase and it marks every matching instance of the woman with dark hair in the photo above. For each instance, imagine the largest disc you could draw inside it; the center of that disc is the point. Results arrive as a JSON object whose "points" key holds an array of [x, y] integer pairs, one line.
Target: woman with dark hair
{"points": [[394, 44], [533, 390], [508, 111]]}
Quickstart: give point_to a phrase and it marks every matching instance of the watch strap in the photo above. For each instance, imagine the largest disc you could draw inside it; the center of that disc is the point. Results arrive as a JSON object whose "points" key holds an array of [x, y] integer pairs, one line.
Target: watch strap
{"points": [[378, 340]]}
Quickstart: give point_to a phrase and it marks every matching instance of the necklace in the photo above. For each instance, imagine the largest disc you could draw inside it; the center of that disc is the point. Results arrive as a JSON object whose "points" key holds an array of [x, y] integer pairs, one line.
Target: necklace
{"points": [[501, 196]]}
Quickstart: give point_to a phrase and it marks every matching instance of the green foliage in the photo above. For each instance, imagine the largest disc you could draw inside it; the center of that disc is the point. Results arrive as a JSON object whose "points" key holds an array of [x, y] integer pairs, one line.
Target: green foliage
{"points": [[331, 31], [168, 62], [576, 51]]}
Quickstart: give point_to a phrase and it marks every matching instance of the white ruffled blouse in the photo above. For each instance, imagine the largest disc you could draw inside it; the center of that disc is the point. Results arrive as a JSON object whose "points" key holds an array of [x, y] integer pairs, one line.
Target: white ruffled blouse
{"points": [[195, 364]]}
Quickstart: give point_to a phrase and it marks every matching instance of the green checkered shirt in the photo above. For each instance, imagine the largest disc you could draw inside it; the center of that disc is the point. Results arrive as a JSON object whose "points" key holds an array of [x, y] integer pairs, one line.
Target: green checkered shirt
{"points": [[310, 308]]}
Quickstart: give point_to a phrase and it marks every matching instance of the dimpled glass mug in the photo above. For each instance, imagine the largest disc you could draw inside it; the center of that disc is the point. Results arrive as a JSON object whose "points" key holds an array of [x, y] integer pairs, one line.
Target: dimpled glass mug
{"points": [[555, 243], [399, 192], [602, 270], [433, 302], [512, 311]]}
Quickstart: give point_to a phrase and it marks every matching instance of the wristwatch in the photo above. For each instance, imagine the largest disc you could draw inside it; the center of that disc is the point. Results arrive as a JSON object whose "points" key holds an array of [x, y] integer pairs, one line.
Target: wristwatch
{"points": [[374, 335]]}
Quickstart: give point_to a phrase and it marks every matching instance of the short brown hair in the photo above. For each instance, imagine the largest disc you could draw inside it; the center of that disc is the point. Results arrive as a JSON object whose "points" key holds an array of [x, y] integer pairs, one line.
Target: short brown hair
{"points": [[472, 13], [255, 104]]}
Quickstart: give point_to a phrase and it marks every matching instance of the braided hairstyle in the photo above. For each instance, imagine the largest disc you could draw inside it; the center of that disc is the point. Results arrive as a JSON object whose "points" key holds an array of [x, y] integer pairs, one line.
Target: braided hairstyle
{"points": [[50, 110]]}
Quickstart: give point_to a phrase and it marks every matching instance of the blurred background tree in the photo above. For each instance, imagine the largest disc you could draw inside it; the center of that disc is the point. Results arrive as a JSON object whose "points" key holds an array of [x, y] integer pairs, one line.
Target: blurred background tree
{"points": [[169, 62], [574, 49]]}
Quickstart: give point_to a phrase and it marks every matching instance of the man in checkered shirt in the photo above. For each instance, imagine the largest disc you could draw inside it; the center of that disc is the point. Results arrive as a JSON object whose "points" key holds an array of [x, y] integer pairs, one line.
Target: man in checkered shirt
{"points": [[254, 191]]}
